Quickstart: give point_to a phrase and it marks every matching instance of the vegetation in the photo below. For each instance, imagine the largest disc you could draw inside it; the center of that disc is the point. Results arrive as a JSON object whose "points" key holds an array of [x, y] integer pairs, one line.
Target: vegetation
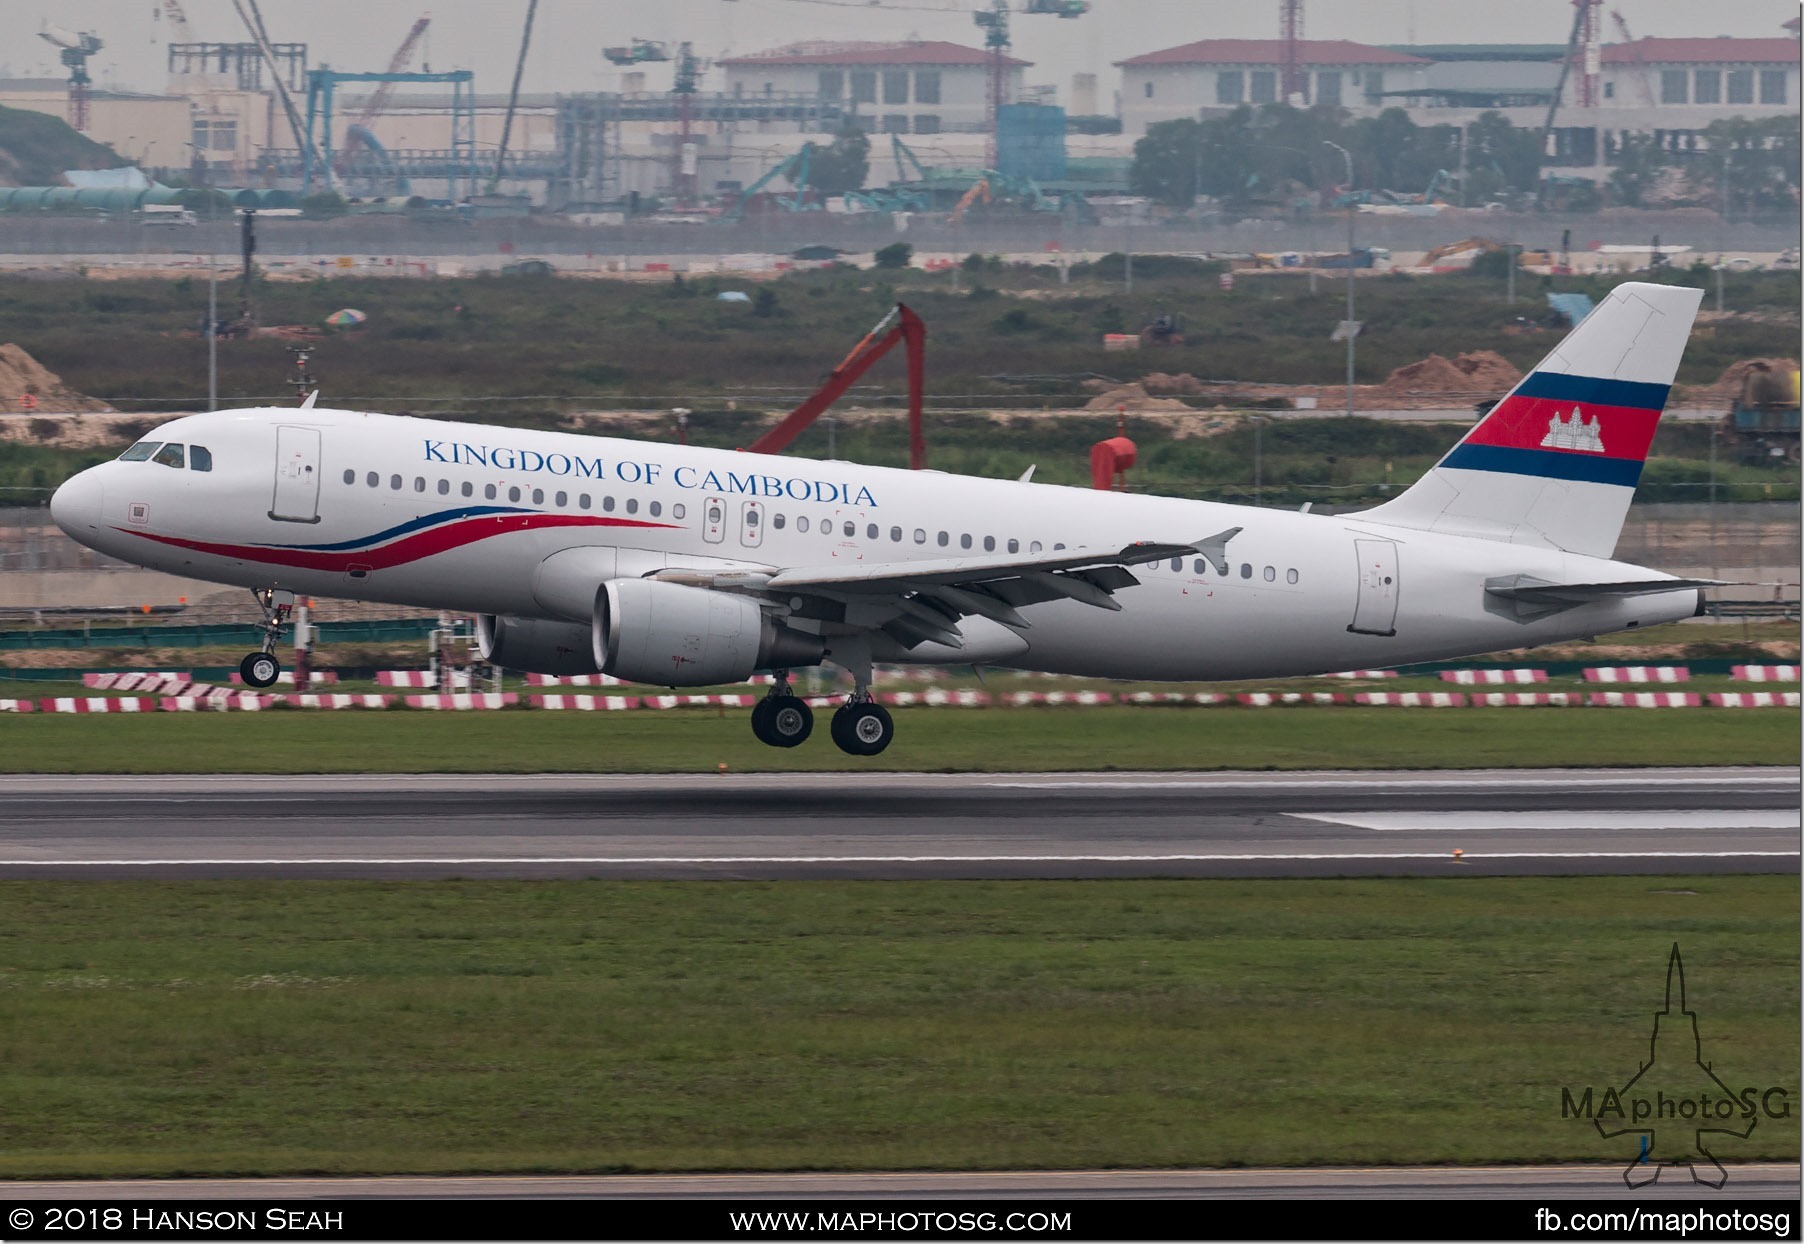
{"points": [[933, 740], [36, 147], [284, 1027], [841, 166]]}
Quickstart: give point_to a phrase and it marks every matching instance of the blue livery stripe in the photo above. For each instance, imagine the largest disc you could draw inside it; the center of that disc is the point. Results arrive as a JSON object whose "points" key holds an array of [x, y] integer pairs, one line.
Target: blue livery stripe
{"points": [[1564, 388], [1548, 464], [412, 525]]}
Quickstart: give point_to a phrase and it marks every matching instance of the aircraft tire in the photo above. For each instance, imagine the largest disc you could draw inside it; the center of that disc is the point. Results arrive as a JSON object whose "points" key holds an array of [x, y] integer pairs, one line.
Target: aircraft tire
{"points": [[790, 721], [259, 669], [863, 729], [761, 715]]}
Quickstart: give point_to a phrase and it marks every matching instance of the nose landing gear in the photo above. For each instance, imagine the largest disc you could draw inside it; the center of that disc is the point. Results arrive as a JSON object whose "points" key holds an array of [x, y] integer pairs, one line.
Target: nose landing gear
{"points": [[261, 669]]}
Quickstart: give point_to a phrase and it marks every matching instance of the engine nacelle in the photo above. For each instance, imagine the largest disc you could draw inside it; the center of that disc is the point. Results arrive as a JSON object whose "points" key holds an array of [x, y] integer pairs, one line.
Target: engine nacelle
{"points": [[536, 646], [672, 635]]}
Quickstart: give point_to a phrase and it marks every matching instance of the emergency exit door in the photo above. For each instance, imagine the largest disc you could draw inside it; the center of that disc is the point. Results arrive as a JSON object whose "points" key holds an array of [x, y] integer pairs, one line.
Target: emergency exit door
{"points": [[1375, 609], [297, 476]]}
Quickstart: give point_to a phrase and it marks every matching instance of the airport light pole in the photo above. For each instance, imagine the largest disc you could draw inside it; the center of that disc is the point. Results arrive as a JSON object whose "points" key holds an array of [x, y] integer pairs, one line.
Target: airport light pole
{"points": [[1351, 327]]}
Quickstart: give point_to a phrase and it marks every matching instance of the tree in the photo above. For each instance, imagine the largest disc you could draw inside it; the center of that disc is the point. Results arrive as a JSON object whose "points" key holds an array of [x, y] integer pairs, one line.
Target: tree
{"points": [[895, 255], [1641, 162], [843, 165], [1753, 162], [1165, 162]]}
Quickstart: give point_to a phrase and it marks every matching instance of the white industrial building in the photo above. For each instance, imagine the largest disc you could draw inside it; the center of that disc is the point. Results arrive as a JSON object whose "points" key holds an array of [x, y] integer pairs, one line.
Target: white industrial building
{"points": [[929, 87]]}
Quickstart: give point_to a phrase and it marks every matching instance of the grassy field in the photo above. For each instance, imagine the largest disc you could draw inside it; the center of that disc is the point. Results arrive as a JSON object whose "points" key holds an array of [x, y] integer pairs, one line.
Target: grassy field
{"points": [[269, 1028], [933, 740]]}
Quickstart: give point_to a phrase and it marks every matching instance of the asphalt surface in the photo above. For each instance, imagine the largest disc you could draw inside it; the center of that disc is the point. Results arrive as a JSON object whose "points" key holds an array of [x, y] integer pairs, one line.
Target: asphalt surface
{"points": [[904, 825], [1553, 1183]]}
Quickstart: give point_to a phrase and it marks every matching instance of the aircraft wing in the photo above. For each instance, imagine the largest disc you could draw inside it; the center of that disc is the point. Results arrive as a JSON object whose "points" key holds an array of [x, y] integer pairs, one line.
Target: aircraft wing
{"points": [[922, 601]]}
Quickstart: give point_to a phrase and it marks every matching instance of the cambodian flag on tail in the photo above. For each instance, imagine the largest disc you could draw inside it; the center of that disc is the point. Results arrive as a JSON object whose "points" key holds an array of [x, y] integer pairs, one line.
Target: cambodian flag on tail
{"points": [[1556, 462]]}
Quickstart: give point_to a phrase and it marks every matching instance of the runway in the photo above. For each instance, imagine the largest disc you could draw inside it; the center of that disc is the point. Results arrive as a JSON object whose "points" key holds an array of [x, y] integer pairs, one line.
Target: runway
{"points": [[848, 825]]}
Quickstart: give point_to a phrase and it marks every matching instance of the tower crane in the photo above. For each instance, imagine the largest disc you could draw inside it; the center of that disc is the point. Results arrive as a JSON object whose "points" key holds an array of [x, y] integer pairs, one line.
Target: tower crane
{"points": [[994, 23], [1634, 50], [75, 50], [358, 131], [1292, 33]]}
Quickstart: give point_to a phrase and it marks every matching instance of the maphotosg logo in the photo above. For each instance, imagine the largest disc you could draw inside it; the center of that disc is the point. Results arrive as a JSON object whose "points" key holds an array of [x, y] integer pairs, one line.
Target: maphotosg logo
{"points": [[1675, 1108]]}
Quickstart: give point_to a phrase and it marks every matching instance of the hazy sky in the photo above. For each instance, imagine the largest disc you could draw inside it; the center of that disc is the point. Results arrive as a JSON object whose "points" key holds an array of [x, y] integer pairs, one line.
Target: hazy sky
{"points": [[483, 35]]}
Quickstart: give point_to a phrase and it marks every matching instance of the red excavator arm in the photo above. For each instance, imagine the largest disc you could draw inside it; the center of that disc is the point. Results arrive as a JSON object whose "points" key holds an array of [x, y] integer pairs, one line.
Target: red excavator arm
{"points": [[870, 348]]}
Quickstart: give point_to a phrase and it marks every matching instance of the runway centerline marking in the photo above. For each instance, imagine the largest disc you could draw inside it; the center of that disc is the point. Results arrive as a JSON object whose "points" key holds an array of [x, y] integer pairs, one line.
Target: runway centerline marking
{"points": [[1417, 822]]}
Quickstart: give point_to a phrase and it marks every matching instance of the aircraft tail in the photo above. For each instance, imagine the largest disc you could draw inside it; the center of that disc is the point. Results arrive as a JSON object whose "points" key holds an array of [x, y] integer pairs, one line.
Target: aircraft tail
{"points": [[1555, 463]]}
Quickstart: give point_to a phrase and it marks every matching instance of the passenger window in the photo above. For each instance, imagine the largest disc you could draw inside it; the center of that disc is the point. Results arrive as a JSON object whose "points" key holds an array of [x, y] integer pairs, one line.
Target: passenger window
{"points": [[1014, 546], [964, 541], [677, 510], [1198, 566], [140, 452], [582, 501], [1246, 570], [895, 535], [607, 503], [489, 492], [632, 505], [394, 482], [1034, 547], [944, 539], [538, 496], [562, 499], [1057, 547], [851, 529], [1271, 574], [714, 515], [989, 544], [373, 480], [469, 489], [444, 488], [419, 483], [656, 508], [751, 517], [870, 532], [1290, 576], [1177, 564], [920, 536], [513, 494], [777, 521], [802, 522], [170, 455], [350, 477], [200, 458]]}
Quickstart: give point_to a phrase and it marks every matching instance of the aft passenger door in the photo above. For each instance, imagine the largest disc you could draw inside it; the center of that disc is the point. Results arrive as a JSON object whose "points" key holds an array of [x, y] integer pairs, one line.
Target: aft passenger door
{"points": [[297, 475], [1375, 610]]}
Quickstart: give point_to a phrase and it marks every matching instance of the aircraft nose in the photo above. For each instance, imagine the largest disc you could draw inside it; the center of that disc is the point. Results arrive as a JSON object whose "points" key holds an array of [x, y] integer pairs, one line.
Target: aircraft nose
{"points": [[76, 506]]}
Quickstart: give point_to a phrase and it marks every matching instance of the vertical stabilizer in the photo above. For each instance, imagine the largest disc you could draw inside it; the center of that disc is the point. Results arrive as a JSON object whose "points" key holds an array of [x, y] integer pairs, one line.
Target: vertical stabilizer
{"points": [[1556, 462]]}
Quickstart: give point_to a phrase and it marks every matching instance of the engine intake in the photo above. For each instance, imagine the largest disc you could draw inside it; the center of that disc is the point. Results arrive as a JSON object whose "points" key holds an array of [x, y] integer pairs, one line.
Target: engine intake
{"points": [[536, 646], [672, 635]]}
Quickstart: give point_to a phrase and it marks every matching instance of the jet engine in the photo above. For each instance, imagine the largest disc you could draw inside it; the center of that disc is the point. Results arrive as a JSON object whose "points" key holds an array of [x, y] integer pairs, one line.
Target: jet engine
{"points": [[535, 646], [673, 635]]}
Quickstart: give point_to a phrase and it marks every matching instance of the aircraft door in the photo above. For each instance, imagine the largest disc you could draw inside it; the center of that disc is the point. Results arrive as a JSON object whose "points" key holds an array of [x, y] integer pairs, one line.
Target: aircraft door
{"points": [[751, 524], [297, 475], [714, 519], [1375, 611]]}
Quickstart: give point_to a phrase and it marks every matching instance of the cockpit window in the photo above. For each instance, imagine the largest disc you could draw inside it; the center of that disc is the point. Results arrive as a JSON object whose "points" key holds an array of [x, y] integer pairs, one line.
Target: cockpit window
{"points": [[200, 458], [170, 455], [140, 451]]}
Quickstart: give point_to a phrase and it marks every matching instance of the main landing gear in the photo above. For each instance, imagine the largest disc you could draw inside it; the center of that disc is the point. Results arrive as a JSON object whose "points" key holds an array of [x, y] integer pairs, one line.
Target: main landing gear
{"points": [[261, 669], [861, 727]]}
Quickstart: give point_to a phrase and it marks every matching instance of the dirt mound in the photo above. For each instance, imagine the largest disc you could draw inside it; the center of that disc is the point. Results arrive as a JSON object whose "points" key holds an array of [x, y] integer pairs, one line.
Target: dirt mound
{"points": [[1165, 383], [22, 376], [1488, 371], [1132, 397], [1727, 387]]}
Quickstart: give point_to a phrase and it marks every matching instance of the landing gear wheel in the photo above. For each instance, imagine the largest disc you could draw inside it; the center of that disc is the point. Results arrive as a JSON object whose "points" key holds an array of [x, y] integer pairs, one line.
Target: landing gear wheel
{"points": [[782, 720], [259, 669], [863, 729]]}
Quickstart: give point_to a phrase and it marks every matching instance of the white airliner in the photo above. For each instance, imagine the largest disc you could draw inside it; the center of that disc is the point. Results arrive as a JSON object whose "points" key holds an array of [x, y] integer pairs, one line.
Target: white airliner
{"points": [[679, 566]]}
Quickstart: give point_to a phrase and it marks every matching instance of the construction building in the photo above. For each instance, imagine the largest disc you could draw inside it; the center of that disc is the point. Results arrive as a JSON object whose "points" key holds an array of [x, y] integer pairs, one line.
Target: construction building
{"points": [[930, 87]]}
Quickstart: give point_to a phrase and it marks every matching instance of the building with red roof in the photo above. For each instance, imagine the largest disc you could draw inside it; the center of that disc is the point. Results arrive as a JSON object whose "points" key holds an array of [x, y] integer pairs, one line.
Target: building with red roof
{"points": [[919, 87]]}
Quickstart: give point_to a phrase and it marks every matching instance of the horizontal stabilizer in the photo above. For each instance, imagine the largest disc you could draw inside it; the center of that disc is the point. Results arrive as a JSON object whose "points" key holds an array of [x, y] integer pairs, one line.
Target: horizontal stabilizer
{"points": [[1534, 596]]}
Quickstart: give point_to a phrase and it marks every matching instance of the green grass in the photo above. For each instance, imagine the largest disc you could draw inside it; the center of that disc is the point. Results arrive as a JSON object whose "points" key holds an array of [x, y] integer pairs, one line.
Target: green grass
{"points": [[1002, 740], [265, 1028]]}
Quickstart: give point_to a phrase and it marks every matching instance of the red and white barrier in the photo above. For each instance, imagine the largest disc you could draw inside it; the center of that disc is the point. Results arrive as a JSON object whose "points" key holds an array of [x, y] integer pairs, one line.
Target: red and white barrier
{"points": [[460, 680], [18, 706], [697, 701], [246, 702], [1277, 699], [1754, 699], [1023, 698], [1176, 697], [584, 703], [1524, 699], [1764, 673], [110, 704], [1644, 699], [935, 698], [575, 680], [1364, 674], [1492, 678], [333, 699], [1638, 673], [286, 677], [464, 700], [1412, 699]]}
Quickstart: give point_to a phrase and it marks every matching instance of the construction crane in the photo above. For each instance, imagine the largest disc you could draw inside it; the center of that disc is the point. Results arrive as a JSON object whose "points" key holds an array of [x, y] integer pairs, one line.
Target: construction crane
{"points": [[638, 52], [1296, 86], [358, 132], [513, 96], [74, 52], [688, 81], [1634, 50], [994, 23], [1581, 48]]}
